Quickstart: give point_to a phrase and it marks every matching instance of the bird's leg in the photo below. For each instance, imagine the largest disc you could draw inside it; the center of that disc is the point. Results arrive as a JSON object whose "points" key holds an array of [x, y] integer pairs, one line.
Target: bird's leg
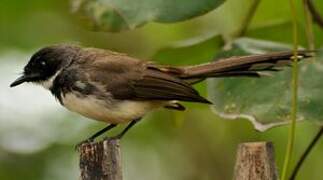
{"points": [[97, 134], [130, 125]]}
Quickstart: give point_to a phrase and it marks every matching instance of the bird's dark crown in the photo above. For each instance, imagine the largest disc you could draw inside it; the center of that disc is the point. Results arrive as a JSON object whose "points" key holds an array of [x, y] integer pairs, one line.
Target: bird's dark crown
{"points": [[47, 61]]}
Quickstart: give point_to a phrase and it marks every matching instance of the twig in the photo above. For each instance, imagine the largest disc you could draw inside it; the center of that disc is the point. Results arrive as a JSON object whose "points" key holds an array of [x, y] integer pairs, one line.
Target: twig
{"points": [[306, 153], [308, 26], [247, 19], [315, 13], [294, 97]]}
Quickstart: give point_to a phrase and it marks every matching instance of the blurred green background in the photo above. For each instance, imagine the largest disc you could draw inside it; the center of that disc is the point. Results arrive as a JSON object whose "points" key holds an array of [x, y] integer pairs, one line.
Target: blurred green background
{"points": [[37, 136]]}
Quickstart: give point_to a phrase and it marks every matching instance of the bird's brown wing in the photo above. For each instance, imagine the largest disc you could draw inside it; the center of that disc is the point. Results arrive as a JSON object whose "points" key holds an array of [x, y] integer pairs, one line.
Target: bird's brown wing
{"points": [[158, 85], [127, 78]]}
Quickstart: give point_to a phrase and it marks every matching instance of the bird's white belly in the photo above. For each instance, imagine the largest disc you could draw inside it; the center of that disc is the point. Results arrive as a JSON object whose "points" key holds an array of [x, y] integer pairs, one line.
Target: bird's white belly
{"points": [[117, 112]]}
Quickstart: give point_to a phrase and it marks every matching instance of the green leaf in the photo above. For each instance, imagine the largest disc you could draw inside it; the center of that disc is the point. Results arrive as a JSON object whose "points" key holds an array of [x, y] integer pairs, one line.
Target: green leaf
{"points": [[191, 51], [117, 15], [266, 101]]}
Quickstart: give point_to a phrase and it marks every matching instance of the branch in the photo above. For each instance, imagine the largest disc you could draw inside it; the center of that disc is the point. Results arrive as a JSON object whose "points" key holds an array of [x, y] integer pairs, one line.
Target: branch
{"points": [[315, 13], [306, 153]]}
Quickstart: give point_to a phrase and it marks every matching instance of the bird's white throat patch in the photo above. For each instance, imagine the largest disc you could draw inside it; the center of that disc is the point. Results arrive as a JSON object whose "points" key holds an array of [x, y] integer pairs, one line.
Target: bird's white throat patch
{"points": [[47, 84]]}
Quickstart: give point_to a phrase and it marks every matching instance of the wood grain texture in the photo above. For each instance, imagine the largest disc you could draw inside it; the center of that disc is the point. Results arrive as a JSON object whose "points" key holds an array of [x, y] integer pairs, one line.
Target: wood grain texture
{"points": [[101, 160], [255, 161]]}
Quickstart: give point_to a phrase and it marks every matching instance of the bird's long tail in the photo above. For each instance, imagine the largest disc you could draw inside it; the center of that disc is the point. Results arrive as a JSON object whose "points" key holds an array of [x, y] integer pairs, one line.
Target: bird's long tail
{"points": [[252, 65]]}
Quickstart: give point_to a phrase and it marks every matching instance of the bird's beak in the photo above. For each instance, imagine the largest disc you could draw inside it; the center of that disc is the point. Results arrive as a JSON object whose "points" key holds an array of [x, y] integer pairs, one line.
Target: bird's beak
{"points": [[24, 78]]}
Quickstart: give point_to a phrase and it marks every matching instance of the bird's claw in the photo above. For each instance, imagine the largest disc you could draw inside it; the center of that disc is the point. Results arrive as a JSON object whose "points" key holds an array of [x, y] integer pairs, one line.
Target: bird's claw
{"points": [[116, 137], [77, 146]]}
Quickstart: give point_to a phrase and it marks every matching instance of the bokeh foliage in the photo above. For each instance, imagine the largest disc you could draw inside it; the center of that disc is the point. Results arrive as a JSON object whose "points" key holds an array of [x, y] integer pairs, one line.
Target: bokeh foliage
{"points": [[195, 144], [117, 15]]}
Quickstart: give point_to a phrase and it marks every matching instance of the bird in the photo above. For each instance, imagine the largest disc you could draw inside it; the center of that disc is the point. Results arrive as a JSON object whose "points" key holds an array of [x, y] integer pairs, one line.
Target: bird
{"points": [[115, 88]]}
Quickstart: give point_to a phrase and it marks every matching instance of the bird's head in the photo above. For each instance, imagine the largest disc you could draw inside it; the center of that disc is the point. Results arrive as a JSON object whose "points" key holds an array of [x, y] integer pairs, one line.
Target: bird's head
{"points": [[46, 63]]}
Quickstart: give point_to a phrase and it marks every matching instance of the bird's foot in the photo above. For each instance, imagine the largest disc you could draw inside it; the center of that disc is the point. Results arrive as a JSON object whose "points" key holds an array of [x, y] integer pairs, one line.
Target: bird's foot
{"points": [[78, 145], [117, 137]]}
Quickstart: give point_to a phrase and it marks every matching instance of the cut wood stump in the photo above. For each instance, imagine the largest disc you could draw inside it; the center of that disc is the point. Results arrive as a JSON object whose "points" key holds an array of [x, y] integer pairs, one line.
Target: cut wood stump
{"points": [[101, 160], [255, 161]]}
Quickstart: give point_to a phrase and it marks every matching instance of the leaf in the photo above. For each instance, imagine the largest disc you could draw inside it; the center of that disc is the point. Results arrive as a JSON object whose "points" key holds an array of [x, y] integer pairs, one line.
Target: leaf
{"points": [[266, 101], [230, 17], [191, 51], [117, 15]]}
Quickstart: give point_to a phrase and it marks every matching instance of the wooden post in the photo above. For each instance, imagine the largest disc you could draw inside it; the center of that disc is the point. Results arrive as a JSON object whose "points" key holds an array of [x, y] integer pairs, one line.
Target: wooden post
{"points": [[255, 161], [101, 160]]}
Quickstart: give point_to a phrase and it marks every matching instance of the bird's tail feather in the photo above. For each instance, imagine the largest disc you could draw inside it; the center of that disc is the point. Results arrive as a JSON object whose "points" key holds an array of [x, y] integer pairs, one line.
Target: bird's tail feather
{"points": [[252, 65]]}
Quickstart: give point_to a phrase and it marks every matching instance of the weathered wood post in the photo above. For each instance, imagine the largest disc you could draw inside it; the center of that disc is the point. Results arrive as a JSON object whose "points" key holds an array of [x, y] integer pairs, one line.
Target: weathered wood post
{"points": [[101, 160], [255, 161]]}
